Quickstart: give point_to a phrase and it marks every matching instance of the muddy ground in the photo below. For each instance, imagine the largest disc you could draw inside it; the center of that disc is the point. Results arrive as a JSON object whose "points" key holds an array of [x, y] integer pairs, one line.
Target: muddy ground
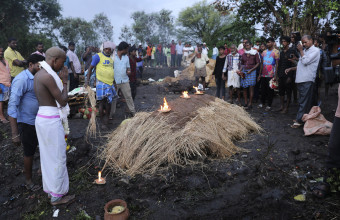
{"points": [[261, 184]]}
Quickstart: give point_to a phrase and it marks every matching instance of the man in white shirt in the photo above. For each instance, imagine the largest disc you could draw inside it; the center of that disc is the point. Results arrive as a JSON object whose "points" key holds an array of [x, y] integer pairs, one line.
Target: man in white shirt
{"points": [[185, 52], [215, 52], [75, 66], [190, 49], [205, 49], [179, 53], [305, 76], [200, 60]]}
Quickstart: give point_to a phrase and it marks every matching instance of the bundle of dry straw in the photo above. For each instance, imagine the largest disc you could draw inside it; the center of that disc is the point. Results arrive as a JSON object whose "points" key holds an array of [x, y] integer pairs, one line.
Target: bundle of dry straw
{"points": [[150, 140], [92, 126]]}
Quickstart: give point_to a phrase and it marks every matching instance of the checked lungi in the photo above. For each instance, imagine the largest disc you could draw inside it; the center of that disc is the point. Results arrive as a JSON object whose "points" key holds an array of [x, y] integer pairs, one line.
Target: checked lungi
{"points": [[249, 79], [104, 90]]}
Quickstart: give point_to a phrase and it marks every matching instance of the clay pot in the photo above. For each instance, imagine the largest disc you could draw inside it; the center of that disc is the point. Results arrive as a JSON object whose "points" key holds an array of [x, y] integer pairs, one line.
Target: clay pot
{"points": [[121, 216]]}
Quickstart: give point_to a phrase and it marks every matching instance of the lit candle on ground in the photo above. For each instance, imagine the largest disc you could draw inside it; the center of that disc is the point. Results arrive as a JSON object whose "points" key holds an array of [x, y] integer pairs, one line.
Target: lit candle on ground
{"points": [[100, 180], [185, 95]]}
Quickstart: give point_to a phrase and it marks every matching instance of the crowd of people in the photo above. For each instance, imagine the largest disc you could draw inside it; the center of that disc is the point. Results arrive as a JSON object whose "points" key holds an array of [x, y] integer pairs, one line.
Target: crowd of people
{"points": [[37, 88]]}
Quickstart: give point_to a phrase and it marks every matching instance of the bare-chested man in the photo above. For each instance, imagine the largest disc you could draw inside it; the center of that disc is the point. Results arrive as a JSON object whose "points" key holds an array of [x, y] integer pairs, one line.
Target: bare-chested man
{"points": [[51, 93]]}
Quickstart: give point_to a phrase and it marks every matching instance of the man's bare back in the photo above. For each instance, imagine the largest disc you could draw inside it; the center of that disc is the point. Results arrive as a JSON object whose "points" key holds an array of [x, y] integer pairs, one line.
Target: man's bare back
{"points": [[42, 93], [46, 89]]}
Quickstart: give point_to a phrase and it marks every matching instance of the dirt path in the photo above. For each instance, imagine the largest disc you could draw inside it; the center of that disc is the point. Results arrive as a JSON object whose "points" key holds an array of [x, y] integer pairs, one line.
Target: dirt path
{"points": [[261, 184]]}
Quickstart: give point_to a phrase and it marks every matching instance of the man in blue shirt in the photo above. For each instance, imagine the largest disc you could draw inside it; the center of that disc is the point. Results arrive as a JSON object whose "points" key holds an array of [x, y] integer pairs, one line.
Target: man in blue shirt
{"points": [[122, 72], [22, 110]]}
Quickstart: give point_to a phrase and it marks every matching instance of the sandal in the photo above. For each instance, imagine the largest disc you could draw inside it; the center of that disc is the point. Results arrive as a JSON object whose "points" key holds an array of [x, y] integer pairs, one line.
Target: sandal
{"points": [[4, 121], [64, 200], [296, 125], [32, 187], [321, 191]]}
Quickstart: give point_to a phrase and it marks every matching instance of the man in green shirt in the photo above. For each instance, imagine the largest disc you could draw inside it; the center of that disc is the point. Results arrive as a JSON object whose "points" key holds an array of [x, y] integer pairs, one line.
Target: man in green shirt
{"points": [[167, 52], [15, 60]]}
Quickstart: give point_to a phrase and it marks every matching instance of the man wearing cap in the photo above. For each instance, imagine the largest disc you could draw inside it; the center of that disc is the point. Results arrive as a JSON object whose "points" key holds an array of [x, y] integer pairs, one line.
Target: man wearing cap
{"points": [[105, 89], [75, 67], [205, 49]]}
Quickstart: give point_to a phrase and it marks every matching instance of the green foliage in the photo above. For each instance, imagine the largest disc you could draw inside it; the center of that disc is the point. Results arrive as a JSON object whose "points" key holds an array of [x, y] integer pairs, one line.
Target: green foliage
{"points": [[155, 27], [203, 23], [28, 21], [82, 32], [126, 34], [281, 17]]}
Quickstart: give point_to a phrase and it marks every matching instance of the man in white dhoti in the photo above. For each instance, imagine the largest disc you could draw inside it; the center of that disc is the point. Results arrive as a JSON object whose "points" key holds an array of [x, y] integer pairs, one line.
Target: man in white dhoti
{"points": [[51, 125], [233, 65]]}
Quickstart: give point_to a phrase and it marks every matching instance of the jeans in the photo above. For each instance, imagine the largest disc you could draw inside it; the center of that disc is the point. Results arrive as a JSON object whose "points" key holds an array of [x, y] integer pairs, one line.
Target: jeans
{"points": [[179, 59], [266, 92], [133, 86], [173, 60], [74, 81], [305, 99], [220, 85]]}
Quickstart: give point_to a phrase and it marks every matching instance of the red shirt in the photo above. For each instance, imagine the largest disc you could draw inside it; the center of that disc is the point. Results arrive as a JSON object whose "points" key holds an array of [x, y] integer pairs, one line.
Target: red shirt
{"points": [[249, 61], [173, 49], [133, 64], [227, 51]]}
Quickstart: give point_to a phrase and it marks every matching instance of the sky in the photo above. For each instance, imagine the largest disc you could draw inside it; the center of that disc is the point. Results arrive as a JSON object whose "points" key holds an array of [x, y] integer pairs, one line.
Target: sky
{"points": [[119, 11]]}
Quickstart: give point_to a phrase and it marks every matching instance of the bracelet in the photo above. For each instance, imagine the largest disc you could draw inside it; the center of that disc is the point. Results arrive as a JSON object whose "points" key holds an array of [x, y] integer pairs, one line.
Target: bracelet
{"points": [[15, 136]]}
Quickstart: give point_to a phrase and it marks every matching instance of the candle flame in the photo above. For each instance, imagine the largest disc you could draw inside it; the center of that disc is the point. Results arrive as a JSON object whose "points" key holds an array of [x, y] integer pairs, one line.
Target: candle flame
{"points": [[166, 106], [197, 91], [185, 94], [100, 176]]}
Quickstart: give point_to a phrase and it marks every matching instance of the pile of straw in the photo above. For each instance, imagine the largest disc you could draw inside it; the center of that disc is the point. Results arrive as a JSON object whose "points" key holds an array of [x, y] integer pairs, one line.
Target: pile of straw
{"points": [[150, 141]]}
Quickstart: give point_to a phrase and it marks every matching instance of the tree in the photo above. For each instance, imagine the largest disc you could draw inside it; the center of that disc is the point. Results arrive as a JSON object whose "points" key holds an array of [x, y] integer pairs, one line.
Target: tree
{"points": [[202, 23], [165, 25], [126, 34], [281, 17], [143, 25], [82, 32], [103, 27], [29, 21]]}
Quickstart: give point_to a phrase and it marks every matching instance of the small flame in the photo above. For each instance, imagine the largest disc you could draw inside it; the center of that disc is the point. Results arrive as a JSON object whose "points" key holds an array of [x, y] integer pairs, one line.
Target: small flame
{"points": [[100, 176], [185, 94], [166, 106], [197, 91]]}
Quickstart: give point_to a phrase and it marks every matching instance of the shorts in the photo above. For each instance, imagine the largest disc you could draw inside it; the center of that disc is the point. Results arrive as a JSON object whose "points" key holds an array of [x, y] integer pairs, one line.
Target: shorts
{"points": [[28, 138]]}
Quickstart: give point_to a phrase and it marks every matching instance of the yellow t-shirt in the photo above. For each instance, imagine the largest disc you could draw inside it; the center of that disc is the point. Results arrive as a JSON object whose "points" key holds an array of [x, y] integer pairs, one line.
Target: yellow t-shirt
{"points": [[104, 69], [11, 55]]}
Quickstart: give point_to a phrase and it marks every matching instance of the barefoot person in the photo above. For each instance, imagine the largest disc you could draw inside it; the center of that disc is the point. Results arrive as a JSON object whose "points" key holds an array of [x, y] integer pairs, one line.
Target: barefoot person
{"points": [[250, 60], [105, 89], [22, 110], [51, 93], [200, 60], [233, 65], [5, 83]]}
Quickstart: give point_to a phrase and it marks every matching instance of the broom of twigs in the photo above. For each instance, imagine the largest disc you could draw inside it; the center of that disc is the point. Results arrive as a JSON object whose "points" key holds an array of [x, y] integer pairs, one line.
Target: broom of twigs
{"points": [[91, 130]]}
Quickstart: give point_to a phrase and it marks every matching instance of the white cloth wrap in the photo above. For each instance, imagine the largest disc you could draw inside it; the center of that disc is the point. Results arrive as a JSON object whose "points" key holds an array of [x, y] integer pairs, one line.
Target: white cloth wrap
{"points": [[52, 145]]}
